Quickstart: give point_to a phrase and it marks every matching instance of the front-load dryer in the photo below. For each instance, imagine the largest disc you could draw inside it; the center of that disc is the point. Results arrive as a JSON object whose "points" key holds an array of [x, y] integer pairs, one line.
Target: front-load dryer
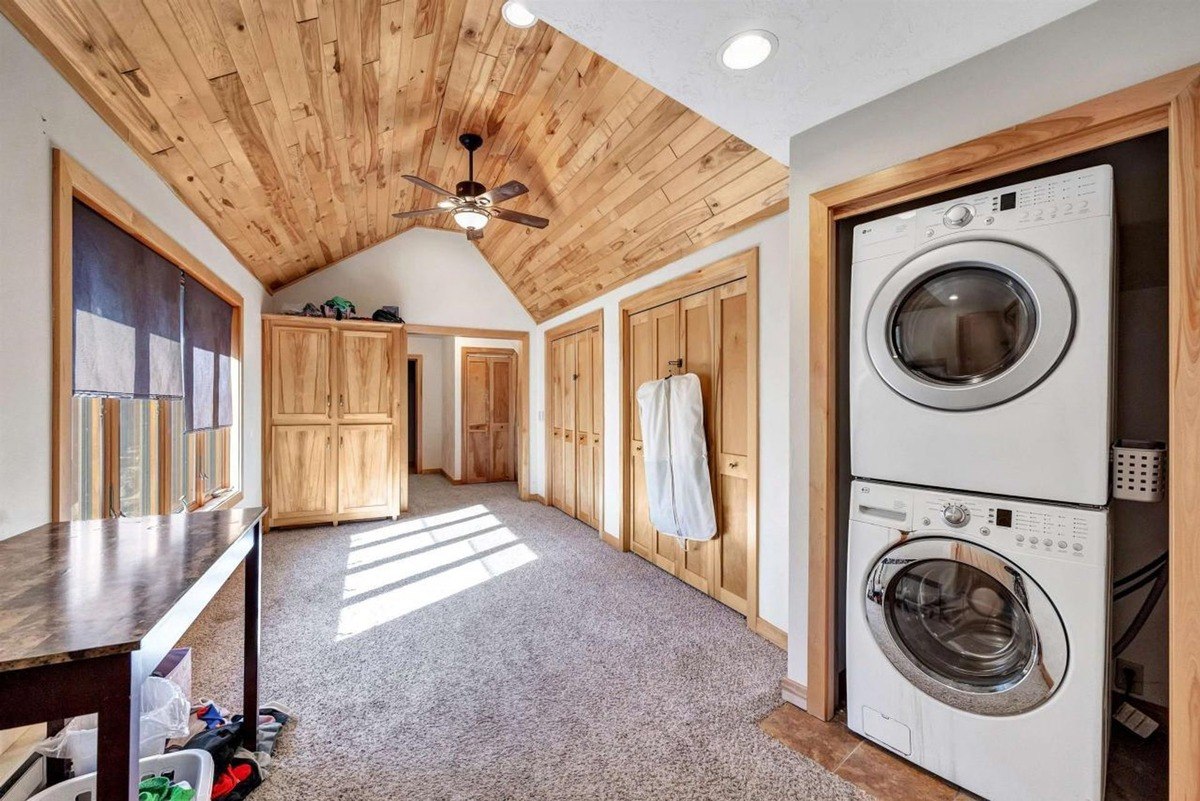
{"points": [[977, 638], [981, 342]]}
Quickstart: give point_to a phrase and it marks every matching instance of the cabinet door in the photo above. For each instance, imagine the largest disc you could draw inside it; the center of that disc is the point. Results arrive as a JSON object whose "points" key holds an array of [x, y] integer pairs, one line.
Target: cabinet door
{"points": [[501, 411], [696, 348], [366, 390], [732, 570], [570, 421], [366, 475], [641, 369], [556, 423], [585, 448], [300, 374], [665, 331], [302, 478], [477, 445]]}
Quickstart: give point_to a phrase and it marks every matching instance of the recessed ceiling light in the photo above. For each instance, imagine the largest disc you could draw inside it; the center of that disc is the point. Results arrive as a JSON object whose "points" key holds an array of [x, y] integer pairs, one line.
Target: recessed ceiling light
{"points": [[517, 15], [748, 49]]}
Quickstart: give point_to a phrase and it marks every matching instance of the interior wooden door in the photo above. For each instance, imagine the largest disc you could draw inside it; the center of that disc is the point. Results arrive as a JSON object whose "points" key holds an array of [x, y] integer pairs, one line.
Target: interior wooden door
{"points": [[664, 331], [570, 422], [586, 438], [366, 382], [477, 446], [698, 350], [501, 408], [300, 374], [302, 473], [642, 368], [557, 447], [365, 476], [732, 571]]}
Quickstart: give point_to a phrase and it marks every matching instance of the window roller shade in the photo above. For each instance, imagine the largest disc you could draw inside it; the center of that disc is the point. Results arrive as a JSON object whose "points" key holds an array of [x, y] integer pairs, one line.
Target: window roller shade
{"points": [[126, 303], [208, 363]]}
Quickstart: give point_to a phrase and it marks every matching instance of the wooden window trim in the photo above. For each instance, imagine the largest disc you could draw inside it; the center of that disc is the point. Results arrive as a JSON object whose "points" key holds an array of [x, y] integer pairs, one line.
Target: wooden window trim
{"points": [[1170, 102], [72, 182]]}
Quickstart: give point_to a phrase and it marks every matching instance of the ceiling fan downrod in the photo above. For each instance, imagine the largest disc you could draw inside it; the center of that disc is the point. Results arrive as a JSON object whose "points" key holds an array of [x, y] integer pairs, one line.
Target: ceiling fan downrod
{"points": [[470, 188]]}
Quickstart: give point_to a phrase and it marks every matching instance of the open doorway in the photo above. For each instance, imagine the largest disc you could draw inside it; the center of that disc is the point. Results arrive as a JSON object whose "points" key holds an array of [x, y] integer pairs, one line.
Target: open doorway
{"points": [[415, 413]]}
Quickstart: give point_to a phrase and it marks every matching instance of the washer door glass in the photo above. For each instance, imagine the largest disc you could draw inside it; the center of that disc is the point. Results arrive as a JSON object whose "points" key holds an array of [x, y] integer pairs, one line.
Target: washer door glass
{"points": [[960, 624], [970, 324], [966, 626]]}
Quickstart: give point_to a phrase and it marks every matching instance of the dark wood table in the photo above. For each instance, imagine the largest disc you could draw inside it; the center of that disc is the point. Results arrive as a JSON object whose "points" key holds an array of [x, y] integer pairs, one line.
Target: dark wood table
{"points": [[89, 608]]}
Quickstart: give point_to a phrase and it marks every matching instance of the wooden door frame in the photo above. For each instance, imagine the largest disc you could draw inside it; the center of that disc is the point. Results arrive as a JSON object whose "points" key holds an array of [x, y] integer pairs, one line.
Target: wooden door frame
{"points": [[521, 337], [743, 264], [1170, 102], [584, 322], [462, 407], [419, 359]]}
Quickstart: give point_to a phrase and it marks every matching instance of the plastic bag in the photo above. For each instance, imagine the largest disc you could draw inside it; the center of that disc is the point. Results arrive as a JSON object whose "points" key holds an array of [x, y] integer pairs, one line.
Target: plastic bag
{"points": [[165, 712]]}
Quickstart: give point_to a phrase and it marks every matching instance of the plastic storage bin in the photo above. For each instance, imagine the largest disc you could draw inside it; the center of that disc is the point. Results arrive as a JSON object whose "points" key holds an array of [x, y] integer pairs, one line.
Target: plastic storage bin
{"points": [[191, 766]]}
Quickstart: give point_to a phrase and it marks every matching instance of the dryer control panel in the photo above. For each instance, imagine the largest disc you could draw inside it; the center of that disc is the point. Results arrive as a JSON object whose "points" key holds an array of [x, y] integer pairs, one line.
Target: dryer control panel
{"points": [[1059, 199]]}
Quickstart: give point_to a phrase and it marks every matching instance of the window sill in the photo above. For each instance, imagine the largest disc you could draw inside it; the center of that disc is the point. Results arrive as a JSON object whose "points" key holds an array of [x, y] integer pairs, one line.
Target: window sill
{"points": [[226, 501]]}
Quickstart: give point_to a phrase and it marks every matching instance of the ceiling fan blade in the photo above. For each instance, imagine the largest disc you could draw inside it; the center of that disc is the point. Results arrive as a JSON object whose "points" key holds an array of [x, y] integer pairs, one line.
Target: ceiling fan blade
{"points": [[402, 215], [518, 217], [503, 192], [431, 187], [474, 233]]}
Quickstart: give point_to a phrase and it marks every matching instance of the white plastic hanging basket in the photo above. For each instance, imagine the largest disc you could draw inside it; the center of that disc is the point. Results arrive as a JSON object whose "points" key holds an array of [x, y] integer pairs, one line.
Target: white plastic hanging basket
{"points": [[1139, 470]]}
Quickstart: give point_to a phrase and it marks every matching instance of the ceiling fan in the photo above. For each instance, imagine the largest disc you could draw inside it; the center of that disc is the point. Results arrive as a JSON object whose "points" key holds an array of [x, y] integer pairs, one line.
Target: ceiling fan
{"points": [[472, 204]]}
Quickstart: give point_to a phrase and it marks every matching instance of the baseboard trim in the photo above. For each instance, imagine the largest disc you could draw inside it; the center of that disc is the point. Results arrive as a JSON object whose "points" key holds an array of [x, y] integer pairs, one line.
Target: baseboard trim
{"points": [[449, 477], [794, 693], [424, 471], [611, 540], [772, 634]]}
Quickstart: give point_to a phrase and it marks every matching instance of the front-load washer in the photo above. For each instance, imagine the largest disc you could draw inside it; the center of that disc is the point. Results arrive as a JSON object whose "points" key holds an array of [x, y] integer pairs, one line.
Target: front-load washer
{"points": [[981, 342], [977, 638]]}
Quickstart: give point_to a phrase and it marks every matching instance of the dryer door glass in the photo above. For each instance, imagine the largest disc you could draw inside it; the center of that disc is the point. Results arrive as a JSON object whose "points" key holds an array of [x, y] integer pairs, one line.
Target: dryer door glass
{"points": [[969, 324], [964, 325], [966, 626]]}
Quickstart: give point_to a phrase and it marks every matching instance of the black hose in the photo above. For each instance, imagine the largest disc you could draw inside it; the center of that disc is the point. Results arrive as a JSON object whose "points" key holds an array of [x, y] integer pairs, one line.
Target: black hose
{"points": [[1139, 620], [1129, 589], [1141, 571]]}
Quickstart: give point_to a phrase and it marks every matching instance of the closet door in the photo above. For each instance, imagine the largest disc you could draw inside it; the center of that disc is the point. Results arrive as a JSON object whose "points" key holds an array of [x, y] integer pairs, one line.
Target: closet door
{"points": [[664, 326], [365, 376], [597, 444], [585, 437], [697, 348], [732, 575], [365, 484], [557, 447], [477, 440], [300, 374], [302, 473], [570, 432], [501, 412], [641, 368]]}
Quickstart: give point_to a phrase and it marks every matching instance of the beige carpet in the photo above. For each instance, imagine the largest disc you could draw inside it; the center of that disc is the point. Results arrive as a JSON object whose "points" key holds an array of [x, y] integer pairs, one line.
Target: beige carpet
{"points": [[485, 648]]}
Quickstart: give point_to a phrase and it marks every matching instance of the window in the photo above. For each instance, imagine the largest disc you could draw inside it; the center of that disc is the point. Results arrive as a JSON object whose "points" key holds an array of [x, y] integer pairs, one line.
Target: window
{"points": [[145, 417]]}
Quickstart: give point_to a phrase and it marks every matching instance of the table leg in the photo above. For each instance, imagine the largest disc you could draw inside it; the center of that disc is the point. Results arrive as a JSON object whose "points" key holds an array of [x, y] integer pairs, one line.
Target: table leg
{"points": [[253, 626], [120, 729]]}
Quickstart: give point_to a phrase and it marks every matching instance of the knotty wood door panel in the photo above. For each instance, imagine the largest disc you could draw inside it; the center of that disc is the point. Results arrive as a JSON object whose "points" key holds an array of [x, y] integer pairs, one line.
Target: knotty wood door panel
{"points": [[477, 445], [502, 410], [732, 457], [365, 483], [365, 376], [301, 374], [558, 449], [664, 332], [642, 368], [302, 473], [489, 412], [570, 433], [697, 349], [576, 404]]}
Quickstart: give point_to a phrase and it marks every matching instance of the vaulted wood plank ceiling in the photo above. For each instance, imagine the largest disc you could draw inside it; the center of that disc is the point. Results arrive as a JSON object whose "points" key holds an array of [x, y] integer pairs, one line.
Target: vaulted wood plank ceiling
{"points": [[286, 125]]}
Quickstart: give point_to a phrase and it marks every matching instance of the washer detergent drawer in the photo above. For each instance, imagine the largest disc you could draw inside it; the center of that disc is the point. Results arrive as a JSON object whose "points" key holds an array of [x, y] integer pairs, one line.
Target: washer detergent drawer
{"points": [[886, 731]]}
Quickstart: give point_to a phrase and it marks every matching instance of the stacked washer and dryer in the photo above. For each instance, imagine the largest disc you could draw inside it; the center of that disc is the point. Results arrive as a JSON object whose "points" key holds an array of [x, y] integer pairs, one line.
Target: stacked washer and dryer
{"points": [[978, 565]]}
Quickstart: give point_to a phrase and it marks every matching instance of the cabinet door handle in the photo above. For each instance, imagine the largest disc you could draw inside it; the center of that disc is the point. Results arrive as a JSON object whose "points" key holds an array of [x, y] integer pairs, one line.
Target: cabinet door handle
{"points": [[733, 464], [327, 403]]}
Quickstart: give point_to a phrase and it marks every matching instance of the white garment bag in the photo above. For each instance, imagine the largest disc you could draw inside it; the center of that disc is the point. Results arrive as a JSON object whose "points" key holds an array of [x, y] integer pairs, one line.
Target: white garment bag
{"points": [[678, 482]]}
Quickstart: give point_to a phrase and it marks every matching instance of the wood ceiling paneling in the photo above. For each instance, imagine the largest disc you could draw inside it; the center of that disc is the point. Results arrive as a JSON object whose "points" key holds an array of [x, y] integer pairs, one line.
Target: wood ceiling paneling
{"points": [[286, 125]]}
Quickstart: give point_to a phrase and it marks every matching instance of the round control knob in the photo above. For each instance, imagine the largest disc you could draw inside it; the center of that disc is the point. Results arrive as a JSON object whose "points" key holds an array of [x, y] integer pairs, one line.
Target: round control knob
{"points": [[958, 215], [955, 514]]}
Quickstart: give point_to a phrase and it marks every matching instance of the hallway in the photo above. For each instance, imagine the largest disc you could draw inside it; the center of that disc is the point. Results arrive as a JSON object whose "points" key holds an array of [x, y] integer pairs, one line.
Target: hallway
{"points": [[486, 648]]}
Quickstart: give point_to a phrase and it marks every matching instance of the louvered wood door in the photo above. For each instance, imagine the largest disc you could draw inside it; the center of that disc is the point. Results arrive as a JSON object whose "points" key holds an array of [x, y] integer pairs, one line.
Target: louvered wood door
{"points": [[301, 374], [642, 368], [366, 382], [302, 473], [732, 458]]}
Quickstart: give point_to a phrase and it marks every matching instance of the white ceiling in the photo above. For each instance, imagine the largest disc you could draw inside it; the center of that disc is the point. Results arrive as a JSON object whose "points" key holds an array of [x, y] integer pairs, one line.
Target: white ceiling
{"points": [[834, 55]]}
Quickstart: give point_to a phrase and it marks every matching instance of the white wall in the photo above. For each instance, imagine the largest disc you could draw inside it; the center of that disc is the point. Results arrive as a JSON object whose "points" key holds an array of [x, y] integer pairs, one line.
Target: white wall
{"points": [[433, 426], [455, 468], [436, 277], [1102, 48], [770, 237], [42, 111]]}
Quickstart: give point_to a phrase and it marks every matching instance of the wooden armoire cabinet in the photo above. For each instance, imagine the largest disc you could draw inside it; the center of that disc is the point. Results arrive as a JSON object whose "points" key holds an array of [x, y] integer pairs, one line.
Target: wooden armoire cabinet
{"points": [[333, 431], [576, 391], [706, 325]]}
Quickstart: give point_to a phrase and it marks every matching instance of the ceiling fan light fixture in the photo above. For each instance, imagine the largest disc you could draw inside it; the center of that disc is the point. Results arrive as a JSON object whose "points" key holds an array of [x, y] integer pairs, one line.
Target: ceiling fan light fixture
{"points": [[517, 15], [748, 49], [470, 219]]}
